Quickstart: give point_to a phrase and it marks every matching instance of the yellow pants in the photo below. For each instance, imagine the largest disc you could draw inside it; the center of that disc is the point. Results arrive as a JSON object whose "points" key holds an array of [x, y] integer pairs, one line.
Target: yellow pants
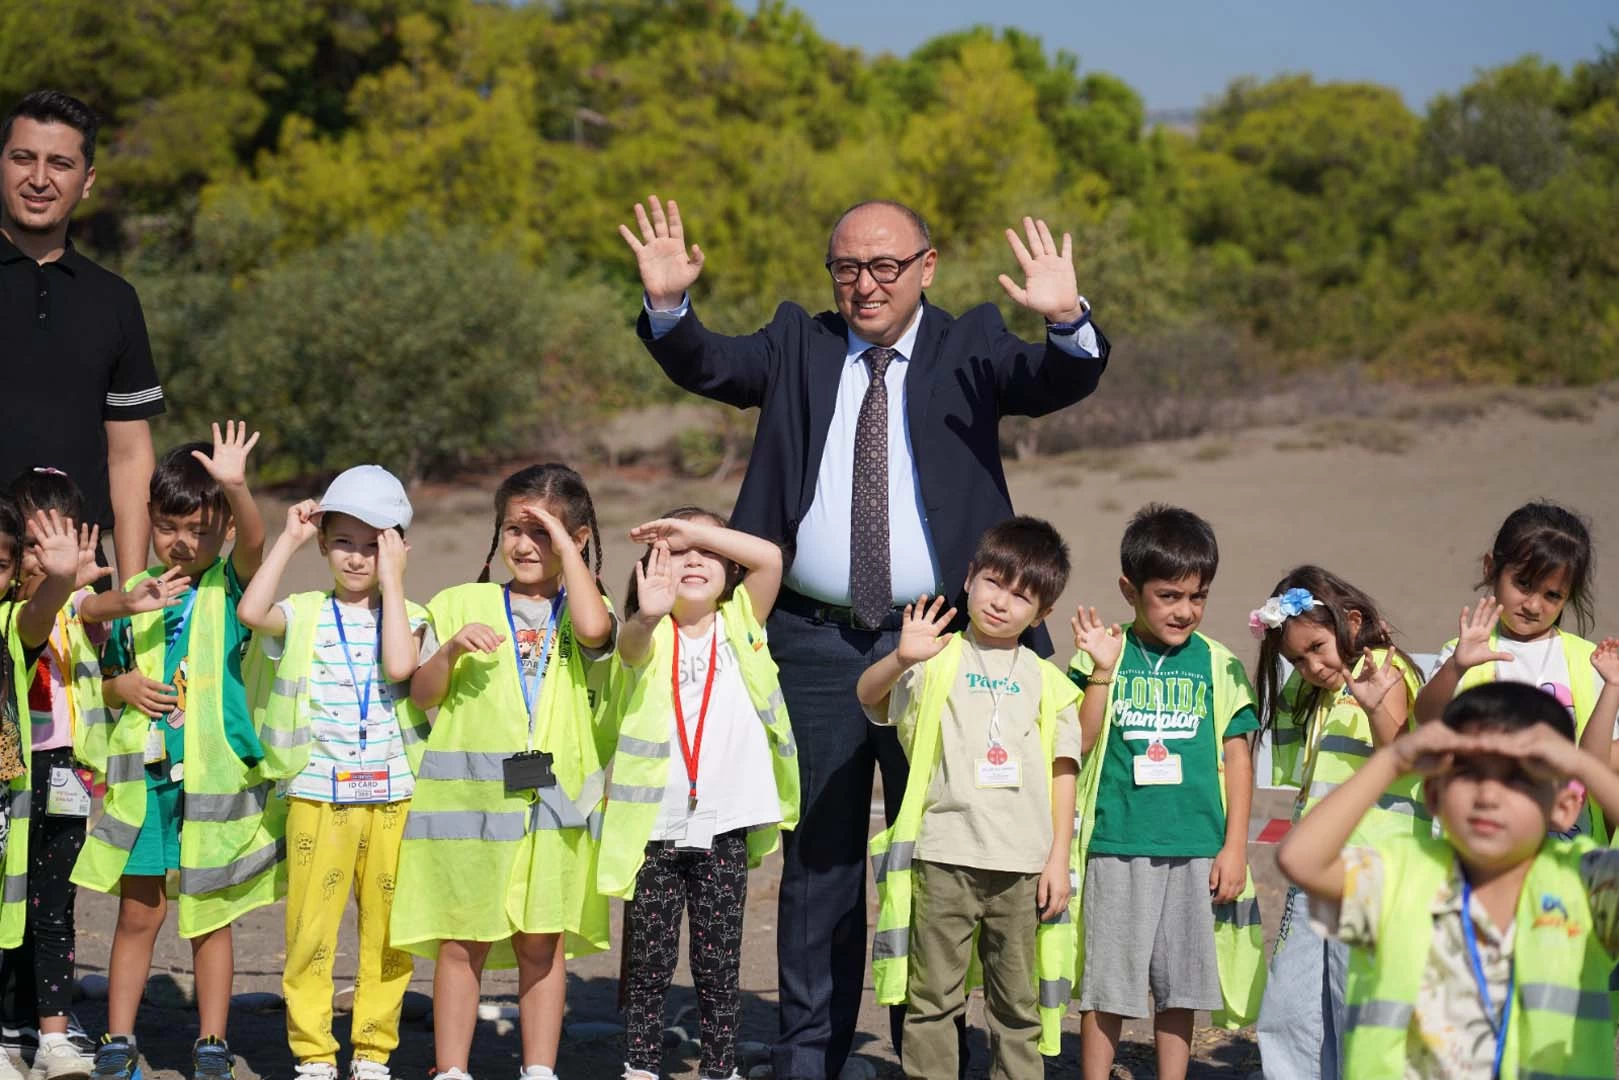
{"points": [[332, 849]]}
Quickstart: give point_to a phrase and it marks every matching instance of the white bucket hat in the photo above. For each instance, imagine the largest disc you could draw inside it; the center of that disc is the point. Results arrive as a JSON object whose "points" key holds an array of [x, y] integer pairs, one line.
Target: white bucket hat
{"points": [[370, 493]]}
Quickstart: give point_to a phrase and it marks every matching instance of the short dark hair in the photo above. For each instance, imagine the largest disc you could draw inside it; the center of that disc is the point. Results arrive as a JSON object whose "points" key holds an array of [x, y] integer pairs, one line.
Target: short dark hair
{"points": [[180, 485], [910, 215], [1166, 543], [1025, 551], [1507, 706], [55, 107], [46, 488]]}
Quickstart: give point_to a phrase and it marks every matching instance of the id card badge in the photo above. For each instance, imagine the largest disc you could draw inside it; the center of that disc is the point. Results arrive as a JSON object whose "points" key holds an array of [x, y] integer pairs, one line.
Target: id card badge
{"points": [[699, 831], [70, 793], [156, 751], [999, 769], [528, 771], [1157, 767], [360, 785]]}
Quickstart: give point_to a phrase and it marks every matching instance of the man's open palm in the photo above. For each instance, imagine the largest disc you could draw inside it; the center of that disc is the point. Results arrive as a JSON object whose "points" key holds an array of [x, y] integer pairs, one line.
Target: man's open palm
{"points": [[1049, 286], [667, 268]]}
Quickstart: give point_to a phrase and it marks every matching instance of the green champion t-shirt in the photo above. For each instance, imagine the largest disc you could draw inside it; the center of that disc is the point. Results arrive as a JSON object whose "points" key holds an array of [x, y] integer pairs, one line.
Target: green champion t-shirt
{"points": [[1168, 697], [119, 656]]}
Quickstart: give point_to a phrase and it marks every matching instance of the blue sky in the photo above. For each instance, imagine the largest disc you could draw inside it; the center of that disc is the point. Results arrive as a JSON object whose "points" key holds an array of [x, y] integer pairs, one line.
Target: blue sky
{"points": [[1178, 52]]}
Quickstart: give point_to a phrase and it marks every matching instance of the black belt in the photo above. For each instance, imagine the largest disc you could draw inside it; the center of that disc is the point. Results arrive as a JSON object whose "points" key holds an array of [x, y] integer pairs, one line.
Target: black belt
{"points": [[819, 612]]}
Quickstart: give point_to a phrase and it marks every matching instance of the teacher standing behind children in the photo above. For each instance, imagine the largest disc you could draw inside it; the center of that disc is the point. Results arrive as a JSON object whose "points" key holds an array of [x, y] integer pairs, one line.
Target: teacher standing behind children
{"points": [[877, 465]]}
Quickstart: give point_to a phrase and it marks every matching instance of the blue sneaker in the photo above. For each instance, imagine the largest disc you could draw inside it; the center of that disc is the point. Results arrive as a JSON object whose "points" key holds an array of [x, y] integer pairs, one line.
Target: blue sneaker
{"points": [[117, 1058], [211, 1059]]}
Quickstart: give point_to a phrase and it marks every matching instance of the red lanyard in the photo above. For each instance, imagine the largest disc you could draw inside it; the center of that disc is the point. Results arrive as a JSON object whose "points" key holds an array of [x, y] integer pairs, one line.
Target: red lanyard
{"points": [[690, 749]]}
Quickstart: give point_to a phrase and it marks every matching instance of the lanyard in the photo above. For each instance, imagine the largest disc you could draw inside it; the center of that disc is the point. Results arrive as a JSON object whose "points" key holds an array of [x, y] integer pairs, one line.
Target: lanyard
{"points": [[185, 617], [531, 689], [994, 694], [691, 749], [363, 698], [1157, 666], [1471, 937]]}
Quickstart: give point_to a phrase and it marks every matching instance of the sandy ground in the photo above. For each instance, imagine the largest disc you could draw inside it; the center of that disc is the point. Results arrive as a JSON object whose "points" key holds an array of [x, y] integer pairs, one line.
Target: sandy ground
{"points": [[1409, 526]]}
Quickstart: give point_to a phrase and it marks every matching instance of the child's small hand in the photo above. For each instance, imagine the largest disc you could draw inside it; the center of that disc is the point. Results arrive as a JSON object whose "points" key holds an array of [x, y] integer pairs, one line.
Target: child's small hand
{"points": [[656, 583], [301, 527], [228, 463], [157, 593], [474, 637], [1056, 887], [1374, 682], [1473, 632], [1229, 874], [152, 698], [1094, 638], [1428, 750], [392, 553], [921, 636], [1606, 660], [680, 534], [1539, 749], [554, 528], [89, 546], [58, 540]]}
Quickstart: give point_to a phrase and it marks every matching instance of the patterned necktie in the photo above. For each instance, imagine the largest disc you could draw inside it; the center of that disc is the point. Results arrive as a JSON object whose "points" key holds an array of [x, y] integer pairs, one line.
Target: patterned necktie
{"points": [[870, 576]]}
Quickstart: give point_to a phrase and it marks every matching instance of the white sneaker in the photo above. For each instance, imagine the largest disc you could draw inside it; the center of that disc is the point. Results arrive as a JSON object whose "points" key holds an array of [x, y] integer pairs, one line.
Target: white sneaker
{"points": [[8, 1068], [366, 1069], [448, 1074], [537, 1072], [637, 1074], [58, 1059], [317, 1070]]}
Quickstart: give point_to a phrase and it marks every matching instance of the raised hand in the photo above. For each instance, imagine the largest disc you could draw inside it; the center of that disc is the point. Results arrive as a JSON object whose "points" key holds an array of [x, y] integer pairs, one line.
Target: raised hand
{"points": [[392, 552], [921, 637], [156, 593], [1101, 642], [1429, 749], [1374, 682], [58, 543], [1474, 628], [656, 583], [89, 545], [555, 530], [678, 533], [228, 463], [1606, 660], [1049, 287], [474, 637], [301, 527], [667, 268]]}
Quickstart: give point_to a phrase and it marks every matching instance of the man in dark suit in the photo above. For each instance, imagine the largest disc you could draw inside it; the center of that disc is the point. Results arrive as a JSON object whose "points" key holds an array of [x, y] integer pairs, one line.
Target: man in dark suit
{"points": [[876, 464]]}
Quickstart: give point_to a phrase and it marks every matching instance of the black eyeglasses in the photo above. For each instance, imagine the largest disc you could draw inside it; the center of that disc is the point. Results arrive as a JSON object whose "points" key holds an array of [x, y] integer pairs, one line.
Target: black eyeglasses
{"points": [[883, 270]]}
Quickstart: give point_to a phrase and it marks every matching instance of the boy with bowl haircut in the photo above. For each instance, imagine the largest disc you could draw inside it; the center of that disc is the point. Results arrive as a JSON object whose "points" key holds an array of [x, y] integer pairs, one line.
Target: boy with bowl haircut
{"points": [[1166, 901], [184, 752], [1485, 952], [982, 843]]}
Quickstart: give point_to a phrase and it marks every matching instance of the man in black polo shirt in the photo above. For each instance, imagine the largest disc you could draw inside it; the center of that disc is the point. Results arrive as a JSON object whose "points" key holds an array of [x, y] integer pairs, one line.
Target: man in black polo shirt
{"points": [[75, 365]]}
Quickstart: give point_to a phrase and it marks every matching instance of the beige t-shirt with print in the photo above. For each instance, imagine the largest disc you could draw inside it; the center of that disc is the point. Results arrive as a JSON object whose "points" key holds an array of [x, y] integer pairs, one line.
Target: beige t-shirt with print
{"points": [[989, 828], [1449, 1033]]}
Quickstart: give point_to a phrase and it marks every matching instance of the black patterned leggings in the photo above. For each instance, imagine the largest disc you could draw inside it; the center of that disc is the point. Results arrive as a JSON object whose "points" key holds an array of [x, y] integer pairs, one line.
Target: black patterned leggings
{"points": [[712, 887], [36, 978]]}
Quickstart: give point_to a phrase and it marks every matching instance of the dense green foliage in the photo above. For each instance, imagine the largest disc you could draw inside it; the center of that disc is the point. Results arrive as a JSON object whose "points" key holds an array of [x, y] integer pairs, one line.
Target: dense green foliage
{"points": [[408, 207]]}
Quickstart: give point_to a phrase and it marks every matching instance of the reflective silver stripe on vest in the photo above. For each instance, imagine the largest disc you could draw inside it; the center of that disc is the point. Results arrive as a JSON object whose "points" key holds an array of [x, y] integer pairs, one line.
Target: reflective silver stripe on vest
{"points": [[1281, 736], [1380, 1013], [1395, 804], [16, 889], [897, 857], [197, 880], [120, 834], [889, 944], [463, 765], [634, 793], [1343, 744], [554, 810], [410, 733], [628, 744], [1062, 917], [223, 808], [86, 670], [126, 768], [282, 739], [1567, 1000], [1054, 993], [288, 687], [1238, 913], [466, 825]]}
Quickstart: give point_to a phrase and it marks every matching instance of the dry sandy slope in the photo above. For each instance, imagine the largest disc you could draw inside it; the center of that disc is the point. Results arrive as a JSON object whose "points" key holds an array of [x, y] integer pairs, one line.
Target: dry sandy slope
{"points": [[1408, 526]]}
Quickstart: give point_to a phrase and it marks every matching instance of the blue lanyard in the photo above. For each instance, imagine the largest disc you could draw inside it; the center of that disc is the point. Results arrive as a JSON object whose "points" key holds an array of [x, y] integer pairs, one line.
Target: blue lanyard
{"points": [[185, 618], [531, 689], [1471, 937], [364, 697]]}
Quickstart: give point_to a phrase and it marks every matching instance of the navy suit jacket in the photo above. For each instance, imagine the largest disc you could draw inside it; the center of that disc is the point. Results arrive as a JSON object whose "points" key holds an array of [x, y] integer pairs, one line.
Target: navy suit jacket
{"points": [[967, 373]]}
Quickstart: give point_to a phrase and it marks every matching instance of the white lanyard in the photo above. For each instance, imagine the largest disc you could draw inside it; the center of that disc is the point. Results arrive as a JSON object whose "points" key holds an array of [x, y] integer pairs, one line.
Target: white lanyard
{"points": [[995, 695]]}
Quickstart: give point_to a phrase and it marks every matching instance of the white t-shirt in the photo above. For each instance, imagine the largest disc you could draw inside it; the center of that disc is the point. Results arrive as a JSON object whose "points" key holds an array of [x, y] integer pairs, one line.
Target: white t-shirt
{"points": [[1539, 663], [736, 785], [334, 705]]}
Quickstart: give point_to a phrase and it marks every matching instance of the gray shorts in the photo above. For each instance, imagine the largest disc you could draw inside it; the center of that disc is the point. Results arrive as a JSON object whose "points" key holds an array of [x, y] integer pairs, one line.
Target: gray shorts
{"points": [[1149, 925]]}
